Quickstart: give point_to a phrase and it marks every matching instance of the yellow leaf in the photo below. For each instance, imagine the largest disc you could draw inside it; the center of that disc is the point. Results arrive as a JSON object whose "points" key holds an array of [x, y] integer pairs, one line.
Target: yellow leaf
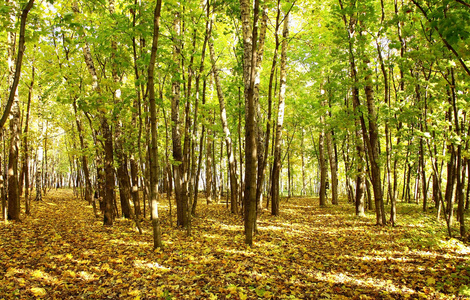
{"points": [[242, 296], [430, 281], [232, 289], [38, 292], [213, 297]]}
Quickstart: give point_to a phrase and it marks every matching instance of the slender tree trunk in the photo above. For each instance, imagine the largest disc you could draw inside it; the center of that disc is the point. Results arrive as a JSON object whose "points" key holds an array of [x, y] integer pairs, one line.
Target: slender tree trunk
{"points": [[209, 165], [261, 143], [88, 187], [157, 239], [179, 169], [228, 140], [13, 189], [14, 67], [26, 147], [124, 182], [107, 135], [323, 169], [333, 168], [302, 147], [12, 108], [279, 122]]}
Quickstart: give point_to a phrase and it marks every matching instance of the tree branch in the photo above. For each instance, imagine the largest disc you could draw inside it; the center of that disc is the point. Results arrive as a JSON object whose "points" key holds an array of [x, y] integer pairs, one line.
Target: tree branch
{"points": [[19, 59], [446, 43]]}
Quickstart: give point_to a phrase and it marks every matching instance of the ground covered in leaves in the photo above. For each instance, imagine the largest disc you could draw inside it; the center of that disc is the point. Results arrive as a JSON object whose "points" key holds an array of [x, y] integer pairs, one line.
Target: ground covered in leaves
{"points": [[63, 252]]}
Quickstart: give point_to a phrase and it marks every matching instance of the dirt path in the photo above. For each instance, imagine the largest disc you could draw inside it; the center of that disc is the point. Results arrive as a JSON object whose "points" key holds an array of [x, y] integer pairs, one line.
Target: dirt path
{"points": [[62, 252]]}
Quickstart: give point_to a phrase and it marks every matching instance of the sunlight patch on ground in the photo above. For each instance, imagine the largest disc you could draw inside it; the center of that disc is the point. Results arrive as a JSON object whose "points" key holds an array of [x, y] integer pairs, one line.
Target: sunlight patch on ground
{"points": [[381, 258], [87, 276], [129, 243], [272, 227], [230, 227], [141, 264], [243, 252], [366, 282], [17, 274], [455, 245]]}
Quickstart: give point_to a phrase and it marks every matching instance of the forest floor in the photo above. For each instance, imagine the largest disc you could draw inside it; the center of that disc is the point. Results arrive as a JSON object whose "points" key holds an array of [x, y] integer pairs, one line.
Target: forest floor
{"points": [[63, 252]]}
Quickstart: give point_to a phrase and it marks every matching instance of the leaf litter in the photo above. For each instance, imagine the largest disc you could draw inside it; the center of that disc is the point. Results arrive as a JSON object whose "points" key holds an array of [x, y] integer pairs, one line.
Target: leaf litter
{"points": [[63, 252]]}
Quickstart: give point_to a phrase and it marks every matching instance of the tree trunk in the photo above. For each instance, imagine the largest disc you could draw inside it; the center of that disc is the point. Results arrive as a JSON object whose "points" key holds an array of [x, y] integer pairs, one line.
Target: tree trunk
{"points": [[12, 107], [88, 187], [228, 140], [279, 122], [26, 148], [250, 39], [333, 168], [261, 136], [179, 168], [302, 147], [124, 182], [323, 169], [209, 165], [13, 80], [13, 189], [157, 239]]}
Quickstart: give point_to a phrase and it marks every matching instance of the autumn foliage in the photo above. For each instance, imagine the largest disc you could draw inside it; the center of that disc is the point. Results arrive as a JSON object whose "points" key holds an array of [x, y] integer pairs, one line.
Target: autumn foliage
{"points": [[308, 252]]}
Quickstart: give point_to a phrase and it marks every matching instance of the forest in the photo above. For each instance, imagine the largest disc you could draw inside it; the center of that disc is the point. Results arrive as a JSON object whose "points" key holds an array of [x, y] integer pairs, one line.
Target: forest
{"points": [[276, 149]]}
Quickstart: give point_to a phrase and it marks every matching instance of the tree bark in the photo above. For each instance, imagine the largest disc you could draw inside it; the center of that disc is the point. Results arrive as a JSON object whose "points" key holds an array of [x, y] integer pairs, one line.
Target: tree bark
{"points": [[179, 168], [26, 148], [333, 168], [228, 140], [157, 239], [280, 121], [250, 37], [88, 187], [13, 84]]}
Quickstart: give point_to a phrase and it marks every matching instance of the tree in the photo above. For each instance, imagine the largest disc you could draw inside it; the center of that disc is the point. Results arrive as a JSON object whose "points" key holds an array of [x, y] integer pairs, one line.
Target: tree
{"points": [[157, 239]]}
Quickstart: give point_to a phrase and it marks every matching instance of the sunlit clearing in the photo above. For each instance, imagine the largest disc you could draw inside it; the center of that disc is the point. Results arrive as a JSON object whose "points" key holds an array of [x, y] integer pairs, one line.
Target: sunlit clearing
{"points": [[149, 265]]}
